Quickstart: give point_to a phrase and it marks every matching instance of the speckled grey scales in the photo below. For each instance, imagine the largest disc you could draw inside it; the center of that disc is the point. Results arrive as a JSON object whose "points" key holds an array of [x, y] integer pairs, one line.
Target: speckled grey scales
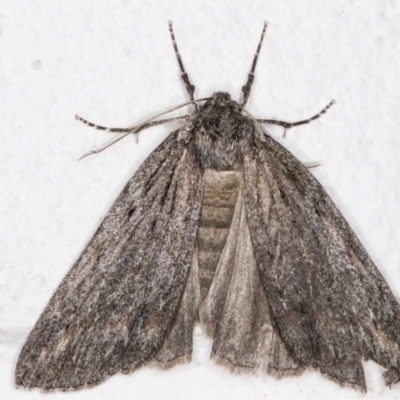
{"points": [[112, 311], [305, 280], [291, 289]]}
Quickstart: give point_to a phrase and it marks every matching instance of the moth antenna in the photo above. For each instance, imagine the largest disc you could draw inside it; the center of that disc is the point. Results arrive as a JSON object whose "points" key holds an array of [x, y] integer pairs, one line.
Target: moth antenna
{"points": [[105, 145], [312, 164], [185, 77], [247, 87]]}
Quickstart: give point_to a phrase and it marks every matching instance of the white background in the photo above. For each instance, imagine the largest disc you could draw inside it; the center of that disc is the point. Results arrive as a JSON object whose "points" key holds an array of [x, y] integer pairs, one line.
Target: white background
{"points": [[112, 62]]}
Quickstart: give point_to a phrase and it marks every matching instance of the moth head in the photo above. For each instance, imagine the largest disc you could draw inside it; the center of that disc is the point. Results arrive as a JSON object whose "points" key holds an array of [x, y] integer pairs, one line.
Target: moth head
{"points": [[221, 100]]}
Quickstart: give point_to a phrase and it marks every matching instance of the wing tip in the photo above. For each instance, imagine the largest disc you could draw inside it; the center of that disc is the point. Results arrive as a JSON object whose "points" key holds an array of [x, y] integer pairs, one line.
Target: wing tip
{"points": [[54, 387]]}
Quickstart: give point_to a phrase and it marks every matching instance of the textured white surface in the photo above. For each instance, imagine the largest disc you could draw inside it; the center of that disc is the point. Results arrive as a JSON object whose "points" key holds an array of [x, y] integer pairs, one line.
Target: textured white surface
{"points": [[112, 63]]}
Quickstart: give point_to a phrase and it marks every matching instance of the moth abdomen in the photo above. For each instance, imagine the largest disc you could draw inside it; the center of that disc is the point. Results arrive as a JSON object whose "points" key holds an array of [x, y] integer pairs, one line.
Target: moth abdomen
{"points": [[220, 195]]}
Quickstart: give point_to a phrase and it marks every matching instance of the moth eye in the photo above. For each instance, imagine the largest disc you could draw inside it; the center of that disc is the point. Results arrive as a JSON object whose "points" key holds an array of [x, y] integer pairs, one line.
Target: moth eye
{"points": [[207, 104]]}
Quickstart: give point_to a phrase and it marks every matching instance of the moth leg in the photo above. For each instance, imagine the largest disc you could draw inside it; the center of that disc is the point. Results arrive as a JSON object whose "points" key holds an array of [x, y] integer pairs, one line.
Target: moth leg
{"points": [[288, 125], [124, 131], [185, 77], [102, 128], [247, 87], [134, 129]]}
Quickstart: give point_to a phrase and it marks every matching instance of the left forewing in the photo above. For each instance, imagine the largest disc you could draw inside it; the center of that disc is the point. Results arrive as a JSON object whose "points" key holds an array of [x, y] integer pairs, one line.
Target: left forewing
{"points": [[113, 310]]}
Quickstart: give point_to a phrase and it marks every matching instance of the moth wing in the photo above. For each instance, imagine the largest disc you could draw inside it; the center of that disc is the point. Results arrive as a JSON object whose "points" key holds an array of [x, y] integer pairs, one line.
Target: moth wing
{"points": [[114, 309], [329, 303]]}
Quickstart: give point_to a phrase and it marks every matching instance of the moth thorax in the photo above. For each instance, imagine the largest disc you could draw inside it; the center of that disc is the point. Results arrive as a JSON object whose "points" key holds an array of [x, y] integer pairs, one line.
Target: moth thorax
{"points": [[221, 135]]}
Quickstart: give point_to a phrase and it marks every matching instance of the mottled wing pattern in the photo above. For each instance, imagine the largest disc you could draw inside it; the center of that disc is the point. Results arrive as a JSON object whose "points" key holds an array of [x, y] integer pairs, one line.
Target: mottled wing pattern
{"points": [[114, 309], [329, 303]]}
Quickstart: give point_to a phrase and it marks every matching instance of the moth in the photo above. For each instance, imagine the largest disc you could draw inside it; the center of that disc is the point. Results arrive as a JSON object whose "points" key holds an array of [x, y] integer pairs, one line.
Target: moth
{"points": [[220, 225]]}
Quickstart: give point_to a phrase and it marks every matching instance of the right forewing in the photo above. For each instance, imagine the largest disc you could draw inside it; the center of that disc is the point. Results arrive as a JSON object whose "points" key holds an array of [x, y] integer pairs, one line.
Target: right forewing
{"points": [[329, 303]]}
